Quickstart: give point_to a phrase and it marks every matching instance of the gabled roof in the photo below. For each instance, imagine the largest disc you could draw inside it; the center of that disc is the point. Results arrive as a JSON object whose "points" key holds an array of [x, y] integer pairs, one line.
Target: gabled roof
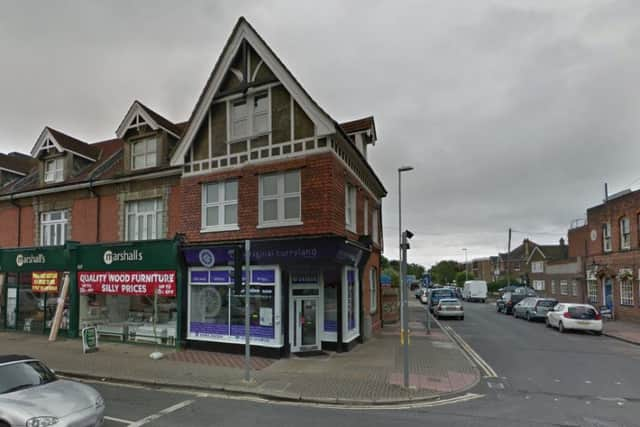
{"points": [[360, 125], [243, 31], [63, 142], [17, 163], [150, 117]]}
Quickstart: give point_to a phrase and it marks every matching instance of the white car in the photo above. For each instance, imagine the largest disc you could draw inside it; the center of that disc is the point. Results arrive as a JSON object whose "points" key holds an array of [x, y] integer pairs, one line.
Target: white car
{"points": [[449, 307], [582, 317]]}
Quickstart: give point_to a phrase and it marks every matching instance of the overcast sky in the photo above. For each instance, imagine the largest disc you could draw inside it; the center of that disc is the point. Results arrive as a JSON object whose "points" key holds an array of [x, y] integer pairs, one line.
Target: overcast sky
{"points": [[513, 114]]}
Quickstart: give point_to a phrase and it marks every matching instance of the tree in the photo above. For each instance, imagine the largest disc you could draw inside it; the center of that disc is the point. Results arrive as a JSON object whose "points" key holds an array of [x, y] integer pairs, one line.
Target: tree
{"points": [[445, 271], [395, 277], [461, 276], [416, 270], [384, 262]]}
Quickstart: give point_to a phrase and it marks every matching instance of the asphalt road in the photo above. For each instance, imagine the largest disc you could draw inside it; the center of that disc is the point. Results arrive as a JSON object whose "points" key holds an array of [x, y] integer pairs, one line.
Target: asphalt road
{"points": [[543, 378]]}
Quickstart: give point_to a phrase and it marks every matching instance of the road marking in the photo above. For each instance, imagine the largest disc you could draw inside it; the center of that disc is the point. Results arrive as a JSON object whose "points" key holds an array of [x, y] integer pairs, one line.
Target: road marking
{"points": [[482, 364], [118, 420], [170, 409]]}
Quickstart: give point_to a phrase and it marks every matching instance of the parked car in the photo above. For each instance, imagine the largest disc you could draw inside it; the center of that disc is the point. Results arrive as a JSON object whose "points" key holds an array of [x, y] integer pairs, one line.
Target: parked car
{"points": [[512, 298], [32, 395], [582, 317], [418, 293], [449, 307], [475, 290], [436, 294], [500, 303], [534, 308]]}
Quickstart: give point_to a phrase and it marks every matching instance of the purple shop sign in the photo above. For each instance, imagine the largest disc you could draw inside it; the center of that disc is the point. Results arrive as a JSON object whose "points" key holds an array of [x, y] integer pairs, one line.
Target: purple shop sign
{"points": [[263, 276], [220, 276], [199, 277]]}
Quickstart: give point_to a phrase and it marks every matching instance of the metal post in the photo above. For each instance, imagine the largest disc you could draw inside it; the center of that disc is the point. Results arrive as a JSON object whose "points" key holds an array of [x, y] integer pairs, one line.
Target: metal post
{"points": [[247, 332], [402, 290], [405, 304], [508, 264]]}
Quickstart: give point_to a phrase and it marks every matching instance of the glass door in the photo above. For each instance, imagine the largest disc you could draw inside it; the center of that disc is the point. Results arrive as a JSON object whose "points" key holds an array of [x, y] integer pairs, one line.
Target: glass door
{"points": [[10, 309], [306, 331]]}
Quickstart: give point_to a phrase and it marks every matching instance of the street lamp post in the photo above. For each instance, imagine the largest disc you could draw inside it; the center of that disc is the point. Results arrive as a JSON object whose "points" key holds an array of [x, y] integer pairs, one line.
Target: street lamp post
{"points": [[404, 337], [466, 265]]}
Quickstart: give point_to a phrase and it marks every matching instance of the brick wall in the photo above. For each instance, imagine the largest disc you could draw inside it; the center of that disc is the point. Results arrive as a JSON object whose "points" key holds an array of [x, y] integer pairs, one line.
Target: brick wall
{"points": [[84, 216], [578, 241], [9, 223]]}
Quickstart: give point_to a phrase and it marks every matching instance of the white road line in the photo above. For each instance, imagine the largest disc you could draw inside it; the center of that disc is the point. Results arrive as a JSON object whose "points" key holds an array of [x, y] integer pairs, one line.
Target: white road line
{"points": [[118, 420], [162, 413]]}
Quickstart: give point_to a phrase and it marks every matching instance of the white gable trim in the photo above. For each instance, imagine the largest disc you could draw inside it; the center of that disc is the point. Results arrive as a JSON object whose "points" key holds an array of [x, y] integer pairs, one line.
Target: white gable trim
{"points": [[13, 172], [137, 110], [534, 251], [49, 139], [324, 124]]}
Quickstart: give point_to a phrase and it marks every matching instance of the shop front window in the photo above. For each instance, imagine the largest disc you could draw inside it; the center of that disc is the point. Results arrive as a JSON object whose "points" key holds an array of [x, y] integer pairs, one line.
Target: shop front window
{"points": [[31, 309], [351, 304], [331, 308]]}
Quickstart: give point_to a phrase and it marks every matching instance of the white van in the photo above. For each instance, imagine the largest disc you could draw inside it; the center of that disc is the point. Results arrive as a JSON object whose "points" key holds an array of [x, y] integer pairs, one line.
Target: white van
{"points": [[474, 290]]}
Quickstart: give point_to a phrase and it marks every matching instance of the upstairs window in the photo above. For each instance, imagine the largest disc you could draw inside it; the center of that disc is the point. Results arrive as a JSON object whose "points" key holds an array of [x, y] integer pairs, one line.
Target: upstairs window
{"points": [[54, 170], [366, 218], [626, 292], [350, 207], [53, 228], [249, 116], [144, 153], [220, 206], [537, 267], [280, 199], [144, 219], [606, 237], [375, 234], [625, 233], [564, 287]]}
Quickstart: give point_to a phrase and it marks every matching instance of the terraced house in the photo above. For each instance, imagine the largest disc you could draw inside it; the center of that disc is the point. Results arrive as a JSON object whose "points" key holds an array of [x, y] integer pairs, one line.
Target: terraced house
{"points": [[157, 212]]}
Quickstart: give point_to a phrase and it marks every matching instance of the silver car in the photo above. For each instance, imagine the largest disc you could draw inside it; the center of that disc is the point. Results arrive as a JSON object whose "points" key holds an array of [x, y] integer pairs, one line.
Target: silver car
{"points": [[32, 396], [449, 307]]}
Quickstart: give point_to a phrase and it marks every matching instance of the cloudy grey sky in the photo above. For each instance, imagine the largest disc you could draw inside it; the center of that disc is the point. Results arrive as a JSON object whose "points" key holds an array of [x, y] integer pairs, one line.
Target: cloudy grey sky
{"points": [[512, 113]]}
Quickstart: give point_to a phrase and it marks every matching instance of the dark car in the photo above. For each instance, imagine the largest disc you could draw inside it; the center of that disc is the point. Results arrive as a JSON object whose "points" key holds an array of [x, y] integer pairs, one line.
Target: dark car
{"points": [[512, 298], [534, 308], [435, 295]]}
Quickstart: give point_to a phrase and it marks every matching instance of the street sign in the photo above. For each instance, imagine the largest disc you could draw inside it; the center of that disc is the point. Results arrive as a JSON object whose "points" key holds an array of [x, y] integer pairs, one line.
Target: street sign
{"points": [[89, 339]]}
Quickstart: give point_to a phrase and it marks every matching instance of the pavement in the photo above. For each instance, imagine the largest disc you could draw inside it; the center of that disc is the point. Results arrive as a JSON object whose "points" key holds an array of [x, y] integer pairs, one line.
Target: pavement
{"points": [[370, 374], [623, 330]]}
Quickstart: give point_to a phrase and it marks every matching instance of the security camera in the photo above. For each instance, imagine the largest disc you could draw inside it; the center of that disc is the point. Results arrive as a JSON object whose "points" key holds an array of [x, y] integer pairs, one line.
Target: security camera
{"points": [[408, 234]]}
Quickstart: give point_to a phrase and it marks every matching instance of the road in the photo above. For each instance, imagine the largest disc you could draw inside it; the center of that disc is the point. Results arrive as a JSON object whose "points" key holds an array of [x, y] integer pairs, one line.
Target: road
{"points": [[543, 378]]}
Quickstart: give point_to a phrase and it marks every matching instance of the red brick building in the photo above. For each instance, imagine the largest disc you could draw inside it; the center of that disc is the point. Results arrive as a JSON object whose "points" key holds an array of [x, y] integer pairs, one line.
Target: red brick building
{"points": [[258, 159]]}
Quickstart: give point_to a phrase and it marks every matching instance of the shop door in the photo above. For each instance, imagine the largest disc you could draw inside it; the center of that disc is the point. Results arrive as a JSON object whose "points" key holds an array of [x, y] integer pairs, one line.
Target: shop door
{"points": [[10, 311], [306, 331], [608, 293]]}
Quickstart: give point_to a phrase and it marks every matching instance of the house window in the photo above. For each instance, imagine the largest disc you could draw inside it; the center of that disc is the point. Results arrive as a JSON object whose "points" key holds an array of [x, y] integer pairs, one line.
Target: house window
{"points": [[538, 285], [537, 267], [592, 291], [553, 287], [564, 287], [626, 292], [280, 199], [220, 206], [249, 116], [144, 153], [53, 228], [574, 288], [373, 289], [625, 233], [366, 218], [606, 237], [54, 170], [350, 207], [375, 236], [144, 219]]}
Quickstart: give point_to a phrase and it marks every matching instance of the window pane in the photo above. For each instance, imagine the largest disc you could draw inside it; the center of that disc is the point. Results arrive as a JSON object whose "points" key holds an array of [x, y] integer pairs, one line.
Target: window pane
{"points": [[231, 190], [151, 159], [260, 103], [292, 182], [131, 224], [292, 208], [138, 148], [146, 205], [151, 145], [151, 227], [239, 110], [212, 193], [138, 162], [269, 185], [270, 210], [240, 128], [140, 232], [55, 216], [231, 214], [260, 123], [212, 216]]}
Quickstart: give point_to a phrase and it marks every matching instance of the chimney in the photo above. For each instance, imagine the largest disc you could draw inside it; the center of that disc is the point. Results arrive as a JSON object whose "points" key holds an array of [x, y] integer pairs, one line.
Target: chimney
{"points": [[526, 247], [562, 242]]}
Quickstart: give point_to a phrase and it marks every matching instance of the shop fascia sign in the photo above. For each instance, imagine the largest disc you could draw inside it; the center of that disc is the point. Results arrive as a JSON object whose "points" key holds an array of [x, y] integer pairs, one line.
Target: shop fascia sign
{"points": [[132, 255], [22, 259]]}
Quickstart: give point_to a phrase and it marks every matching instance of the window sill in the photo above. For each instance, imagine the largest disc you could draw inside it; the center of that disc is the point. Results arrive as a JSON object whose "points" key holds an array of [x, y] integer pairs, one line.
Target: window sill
{"points": [[219, 229], [248, 137], [351, 229], [280, 224]]}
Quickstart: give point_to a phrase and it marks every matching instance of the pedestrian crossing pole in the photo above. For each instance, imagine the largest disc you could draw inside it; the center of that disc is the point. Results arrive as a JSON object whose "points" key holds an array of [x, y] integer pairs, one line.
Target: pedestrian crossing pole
{"points": [[247, 323]]}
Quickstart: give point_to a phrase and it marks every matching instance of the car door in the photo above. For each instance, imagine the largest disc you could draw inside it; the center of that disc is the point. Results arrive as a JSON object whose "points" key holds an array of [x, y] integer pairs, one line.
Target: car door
{"points": [[554, 316]]}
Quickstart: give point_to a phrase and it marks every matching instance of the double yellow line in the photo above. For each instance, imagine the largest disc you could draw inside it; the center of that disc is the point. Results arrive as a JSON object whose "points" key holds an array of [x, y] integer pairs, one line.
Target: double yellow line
{"points": [[475, 357]]}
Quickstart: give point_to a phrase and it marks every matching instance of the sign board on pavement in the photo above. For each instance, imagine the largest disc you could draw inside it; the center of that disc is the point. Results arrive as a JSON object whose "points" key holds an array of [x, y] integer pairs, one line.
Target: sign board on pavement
{"points": [[89, 339]]}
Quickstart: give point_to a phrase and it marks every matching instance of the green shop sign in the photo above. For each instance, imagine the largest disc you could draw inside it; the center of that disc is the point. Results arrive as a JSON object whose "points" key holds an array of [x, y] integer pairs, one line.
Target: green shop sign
{"points": [[34, 259], [147, 255]]}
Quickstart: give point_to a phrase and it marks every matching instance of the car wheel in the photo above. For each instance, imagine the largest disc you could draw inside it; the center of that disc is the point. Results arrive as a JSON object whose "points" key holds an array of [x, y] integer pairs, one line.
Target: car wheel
{"points": [[3, 424], [561, 328], [462, 318], [528, 317], [597, 332]]}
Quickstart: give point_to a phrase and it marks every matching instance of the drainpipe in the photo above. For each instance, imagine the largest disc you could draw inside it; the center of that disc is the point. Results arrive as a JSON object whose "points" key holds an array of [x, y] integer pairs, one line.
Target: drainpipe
{"points": [[14, 203]]}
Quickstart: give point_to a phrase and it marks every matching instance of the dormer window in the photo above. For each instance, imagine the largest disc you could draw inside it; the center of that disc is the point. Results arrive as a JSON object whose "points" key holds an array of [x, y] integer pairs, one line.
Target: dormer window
{"points": [[249, 116], [54, 170], [144, 153]]}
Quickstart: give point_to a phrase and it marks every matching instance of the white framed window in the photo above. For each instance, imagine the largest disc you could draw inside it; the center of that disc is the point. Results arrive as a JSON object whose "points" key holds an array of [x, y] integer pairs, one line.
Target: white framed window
{"points": [[220, 206], [537, 267], [538, 285], [373, 289], [54, 170], [375, 232], [564, 287], [625, 233], [574, 288], [280, 199], [144, 153], [626, 292], [606, 237], [53, 228], [366, 218], [249, 116], [592, 291], [144, 219], [350, 207], [553, 287]]}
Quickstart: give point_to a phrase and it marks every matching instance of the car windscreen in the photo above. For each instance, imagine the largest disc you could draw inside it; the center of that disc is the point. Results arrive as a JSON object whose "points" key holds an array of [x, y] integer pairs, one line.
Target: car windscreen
{"points": [[547, 303], [585, 313], [18, 376], [442, 294]]}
